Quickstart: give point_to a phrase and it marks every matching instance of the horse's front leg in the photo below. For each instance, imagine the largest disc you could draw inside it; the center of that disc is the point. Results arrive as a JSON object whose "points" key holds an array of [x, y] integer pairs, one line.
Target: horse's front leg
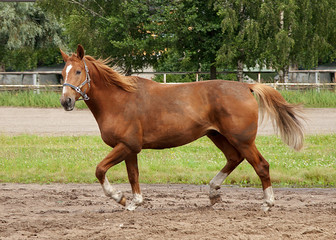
{"points": [[133, 176], [117, 155]]}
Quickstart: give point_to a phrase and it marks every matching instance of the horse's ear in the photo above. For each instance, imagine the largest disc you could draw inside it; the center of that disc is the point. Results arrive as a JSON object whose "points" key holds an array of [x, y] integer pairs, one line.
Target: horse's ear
{"points": [[80, 52], [64, 55]]}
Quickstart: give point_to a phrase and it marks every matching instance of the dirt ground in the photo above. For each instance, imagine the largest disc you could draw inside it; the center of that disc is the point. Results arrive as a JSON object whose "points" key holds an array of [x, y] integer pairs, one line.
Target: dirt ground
{"points": [[81, 211]]}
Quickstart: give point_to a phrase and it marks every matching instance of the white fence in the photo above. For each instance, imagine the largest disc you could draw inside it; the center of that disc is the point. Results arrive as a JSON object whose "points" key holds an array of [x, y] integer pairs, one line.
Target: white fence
{"points": [[36, 86]]}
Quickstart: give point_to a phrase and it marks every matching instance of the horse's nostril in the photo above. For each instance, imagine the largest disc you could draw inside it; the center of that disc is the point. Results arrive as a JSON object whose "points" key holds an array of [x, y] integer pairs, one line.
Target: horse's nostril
{"points": [[68, 103]]}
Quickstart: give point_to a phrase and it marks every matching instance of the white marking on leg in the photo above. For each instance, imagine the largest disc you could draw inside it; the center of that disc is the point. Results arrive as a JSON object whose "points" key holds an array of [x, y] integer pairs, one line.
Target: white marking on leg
{"points": [[136, 201], [67, 70], [268, 199], [110, 191], [216, 182]]}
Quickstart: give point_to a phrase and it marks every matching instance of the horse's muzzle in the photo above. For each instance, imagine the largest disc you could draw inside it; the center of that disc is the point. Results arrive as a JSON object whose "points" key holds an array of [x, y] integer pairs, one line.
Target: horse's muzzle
{"points": [[68, 103]]}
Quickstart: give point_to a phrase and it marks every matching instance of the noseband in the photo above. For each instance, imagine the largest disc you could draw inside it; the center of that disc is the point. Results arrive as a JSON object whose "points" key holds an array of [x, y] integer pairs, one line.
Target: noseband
{"points": [[78, 89]]}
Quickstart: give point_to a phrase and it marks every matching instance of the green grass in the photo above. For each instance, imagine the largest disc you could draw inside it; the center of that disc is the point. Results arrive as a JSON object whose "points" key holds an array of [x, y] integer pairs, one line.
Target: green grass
{"points": [[312, 98], [36, 159], [48, 99]]}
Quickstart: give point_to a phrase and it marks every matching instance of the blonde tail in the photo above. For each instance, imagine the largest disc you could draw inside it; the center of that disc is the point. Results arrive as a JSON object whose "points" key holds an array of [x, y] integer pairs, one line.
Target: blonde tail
{"points": [[285, 116]]}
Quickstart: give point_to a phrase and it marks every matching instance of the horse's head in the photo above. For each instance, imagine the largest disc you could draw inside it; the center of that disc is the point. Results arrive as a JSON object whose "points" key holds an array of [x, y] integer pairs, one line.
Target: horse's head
{"points": [[76, 79]]}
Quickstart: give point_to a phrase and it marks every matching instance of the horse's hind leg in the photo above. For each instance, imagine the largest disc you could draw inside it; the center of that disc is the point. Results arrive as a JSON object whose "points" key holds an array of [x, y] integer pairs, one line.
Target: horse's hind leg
{"points": [[261, 167], [133, 176], [233, 157]]}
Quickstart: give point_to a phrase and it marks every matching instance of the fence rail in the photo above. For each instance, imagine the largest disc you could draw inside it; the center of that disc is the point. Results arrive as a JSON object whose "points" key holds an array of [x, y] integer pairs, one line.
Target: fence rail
{"points": [[37, 86], [31, 73]]}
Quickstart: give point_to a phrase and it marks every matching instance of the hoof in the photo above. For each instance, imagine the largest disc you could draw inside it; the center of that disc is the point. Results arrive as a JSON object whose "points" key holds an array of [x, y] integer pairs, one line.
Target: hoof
{"points": [[266, 206], [131, 207], [215, 199], [123, 201]]}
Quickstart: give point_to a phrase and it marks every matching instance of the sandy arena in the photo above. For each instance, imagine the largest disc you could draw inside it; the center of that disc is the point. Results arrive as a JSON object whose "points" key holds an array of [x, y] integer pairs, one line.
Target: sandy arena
{"points": [[81, 211]]}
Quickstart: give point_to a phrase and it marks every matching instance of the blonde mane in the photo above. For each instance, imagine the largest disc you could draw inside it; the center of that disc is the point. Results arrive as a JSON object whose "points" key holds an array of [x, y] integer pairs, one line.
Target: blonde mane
{"points": [[111, 76]]}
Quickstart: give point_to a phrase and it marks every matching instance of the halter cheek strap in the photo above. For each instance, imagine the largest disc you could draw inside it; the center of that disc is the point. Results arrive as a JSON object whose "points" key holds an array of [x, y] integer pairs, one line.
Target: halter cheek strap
{"points": [[78, 89]]}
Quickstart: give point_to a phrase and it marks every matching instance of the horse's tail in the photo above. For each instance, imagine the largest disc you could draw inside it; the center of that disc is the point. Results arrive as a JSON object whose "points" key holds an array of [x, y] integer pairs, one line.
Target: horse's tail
{"points": [[286, 118]]}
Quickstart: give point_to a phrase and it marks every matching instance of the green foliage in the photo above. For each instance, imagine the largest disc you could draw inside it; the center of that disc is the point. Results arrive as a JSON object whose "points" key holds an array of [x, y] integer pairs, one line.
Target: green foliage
{"points": [[277, 34], [174, 78], [315, 33], [194, 33], [28, 158], [187, 35], [28, 36], [131, 37], [241, 32], [122, 30], [305, 36]]}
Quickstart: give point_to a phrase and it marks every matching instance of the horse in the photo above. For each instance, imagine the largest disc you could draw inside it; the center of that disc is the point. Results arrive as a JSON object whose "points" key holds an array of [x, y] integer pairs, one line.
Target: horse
{"points": [[135, 113]]}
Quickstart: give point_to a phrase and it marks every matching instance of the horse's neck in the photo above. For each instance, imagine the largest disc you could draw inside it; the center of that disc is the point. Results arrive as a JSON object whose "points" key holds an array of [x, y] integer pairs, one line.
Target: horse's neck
{"points": [[103, 97]]}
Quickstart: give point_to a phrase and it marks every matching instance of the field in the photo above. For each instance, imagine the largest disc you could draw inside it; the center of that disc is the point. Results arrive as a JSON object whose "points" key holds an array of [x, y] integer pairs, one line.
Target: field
{"points": [[65, 159], [46, 204]]}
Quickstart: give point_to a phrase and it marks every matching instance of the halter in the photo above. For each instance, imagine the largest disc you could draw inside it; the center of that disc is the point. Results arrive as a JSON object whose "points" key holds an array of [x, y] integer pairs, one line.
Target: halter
{"points": [[78, 89]]}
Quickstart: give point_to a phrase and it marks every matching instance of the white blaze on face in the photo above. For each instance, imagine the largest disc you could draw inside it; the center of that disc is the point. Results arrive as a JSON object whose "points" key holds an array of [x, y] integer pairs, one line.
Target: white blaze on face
{"points": [[67, 70]]}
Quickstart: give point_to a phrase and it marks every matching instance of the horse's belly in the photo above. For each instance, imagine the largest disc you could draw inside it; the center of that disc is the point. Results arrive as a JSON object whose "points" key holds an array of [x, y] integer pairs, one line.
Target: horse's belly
{"points": [[173, 139]]}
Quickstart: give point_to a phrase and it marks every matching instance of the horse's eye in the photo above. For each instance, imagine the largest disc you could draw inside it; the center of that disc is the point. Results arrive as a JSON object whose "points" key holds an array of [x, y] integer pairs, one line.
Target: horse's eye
{"points": [[78, 72]]}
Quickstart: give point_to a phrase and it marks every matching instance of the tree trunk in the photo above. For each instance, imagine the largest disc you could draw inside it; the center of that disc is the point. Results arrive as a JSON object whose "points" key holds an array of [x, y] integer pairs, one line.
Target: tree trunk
{"points": [[281, 76], [285, 73], [128, 71], [294, 76], [240, 69], [213, 72]]}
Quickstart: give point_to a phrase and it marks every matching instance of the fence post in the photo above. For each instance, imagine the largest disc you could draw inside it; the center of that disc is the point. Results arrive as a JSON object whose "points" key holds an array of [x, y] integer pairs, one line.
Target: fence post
{"points": [[36, 83], [286, 76], [317, 81], [259, 77], [196, 77], [333, 87], [164, 78]]}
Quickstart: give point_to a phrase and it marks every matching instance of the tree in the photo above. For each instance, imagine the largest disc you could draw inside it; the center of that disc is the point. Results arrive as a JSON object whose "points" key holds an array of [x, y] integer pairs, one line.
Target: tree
{"points": [[131, 34], [28, 36], [298, 33], [117, 29], [194, 33], [138, 33], [315, 35], [277, 33], [241, 30]]}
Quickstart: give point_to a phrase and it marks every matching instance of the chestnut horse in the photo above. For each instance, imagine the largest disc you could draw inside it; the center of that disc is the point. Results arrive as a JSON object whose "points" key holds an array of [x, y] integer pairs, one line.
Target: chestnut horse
{"points": [[134, 113]]}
